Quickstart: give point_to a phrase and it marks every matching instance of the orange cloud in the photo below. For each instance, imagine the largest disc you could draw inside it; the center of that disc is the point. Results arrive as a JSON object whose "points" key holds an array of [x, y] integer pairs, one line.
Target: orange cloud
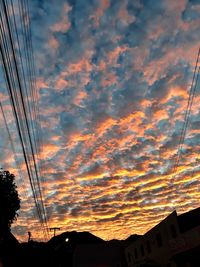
{"points": [[53, 43], [83, 65], [49, 150], [108, 79], [63, 25], [156, 69], [61, 84], [160, 115], [124, 15], [104, 126], [41, 83], [104, 4], [79, 98], [114, 54]]}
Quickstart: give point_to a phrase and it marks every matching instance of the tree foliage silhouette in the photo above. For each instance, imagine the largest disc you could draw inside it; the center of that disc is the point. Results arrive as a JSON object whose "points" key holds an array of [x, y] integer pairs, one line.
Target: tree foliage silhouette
{"points": [[9, 200]]}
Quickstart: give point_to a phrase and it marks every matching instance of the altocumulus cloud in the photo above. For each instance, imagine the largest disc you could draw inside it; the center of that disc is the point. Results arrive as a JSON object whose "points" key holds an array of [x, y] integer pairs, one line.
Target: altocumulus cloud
{"points": [[113, 80]]}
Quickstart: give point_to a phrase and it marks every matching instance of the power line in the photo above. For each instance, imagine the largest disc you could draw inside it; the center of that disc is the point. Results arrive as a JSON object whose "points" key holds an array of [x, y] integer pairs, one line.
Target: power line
{"points": [[14, 153], [24, 112], [187, 112]]}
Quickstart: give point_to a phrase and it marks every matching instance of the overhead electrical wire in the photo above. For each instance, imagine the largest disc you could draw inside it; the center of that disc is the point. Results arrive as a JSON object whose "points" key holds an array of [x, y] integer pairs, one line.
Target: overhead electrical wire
{"points": [[25, 20], [11, 141], [20, 91], [33, 88], [16, 96], [198, 154], [27, 161], [187, 112], [18, 165]]}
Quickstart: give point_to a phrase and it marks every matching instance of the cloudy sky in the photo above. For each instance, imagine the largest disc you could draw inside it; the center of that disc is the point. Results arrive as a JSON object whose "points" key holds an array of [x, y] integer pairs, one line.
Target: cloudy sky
{"points": [[113, 79]]}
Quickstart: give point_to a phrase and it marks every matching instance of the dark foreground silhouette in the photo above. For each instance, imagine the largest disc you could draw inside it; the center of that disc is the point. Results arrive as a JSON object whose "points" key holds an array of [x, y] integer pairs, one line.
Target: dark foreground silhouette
{"points": [[68, 249], [9, 205], [82, 249]]}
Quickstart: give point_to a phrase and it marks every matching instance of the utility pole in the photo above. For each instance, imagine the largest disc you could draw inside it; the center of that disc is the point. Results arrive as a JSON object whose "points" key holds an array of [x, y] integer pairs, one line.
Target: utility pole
{"points": [[54, 229], [29, 236]]}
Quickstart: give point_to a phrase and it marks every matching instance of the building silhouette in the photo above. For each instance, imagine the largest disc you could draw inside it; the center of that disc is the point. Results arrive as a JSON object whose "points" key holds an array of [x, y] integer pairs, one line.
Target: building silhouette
{"points": [[174, 242]]}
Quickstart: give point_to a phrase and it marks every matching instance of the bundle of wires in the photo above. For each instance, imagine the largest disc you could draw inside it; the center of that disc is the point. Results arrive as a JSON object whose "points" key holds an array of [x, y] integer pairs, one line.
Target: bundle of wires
{"points": [[192, 92], [18, 67]]}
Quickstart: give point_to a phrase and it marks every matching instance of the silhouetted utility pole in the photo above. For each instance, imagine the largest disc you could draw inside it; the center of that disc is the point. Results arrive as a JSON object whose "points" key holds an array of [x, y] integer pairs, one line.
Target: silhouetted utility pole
{"points": [[29, 236], [54, 229]]}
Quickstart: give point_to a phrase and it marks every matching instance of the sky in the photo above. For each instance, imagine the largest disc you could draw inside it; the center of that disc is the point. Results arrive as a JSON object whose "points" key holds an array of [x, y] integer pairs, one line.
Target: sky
{"points": [[113, 79]]}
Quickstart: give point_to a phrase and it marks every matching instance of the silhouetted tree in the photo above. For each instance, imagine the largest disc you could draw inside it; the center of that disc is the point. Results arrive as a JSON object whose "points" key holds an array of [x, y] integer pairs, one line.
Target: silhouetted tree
{"points": [[9, 201]]}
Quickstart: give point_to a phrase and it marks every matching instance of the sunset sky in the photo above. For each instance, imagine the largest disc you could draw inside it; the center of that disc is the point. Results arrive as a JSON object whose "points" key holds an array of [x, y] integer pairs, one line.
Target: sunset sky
{"points": [[113, 78]]}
